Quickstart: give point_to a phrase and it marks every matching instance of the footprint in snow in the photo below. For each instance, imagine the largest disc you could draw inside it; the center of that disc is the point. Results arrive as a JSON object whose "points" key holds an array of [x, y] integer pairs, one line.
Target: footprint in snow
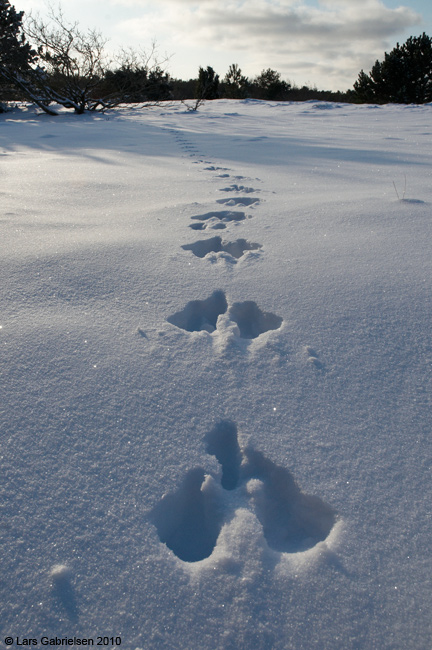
{"points": [[190, 519], [239, 188], [235, 249], [217, 220], [239, 200], [251, 320], [218, 225], [237, 178], [223, 216], [203, 315]]}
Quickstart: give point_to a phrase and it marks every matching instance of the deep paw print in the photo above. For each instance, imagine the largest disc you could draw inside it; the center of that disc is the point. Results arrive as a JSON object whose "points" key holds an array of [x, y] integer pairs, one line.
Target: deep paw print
{"points": [[213, 224], [217, 219], [239, 200], [214, 168], [203, 315], [239, 188], [235, 249], [251, 320], [189, 520]]}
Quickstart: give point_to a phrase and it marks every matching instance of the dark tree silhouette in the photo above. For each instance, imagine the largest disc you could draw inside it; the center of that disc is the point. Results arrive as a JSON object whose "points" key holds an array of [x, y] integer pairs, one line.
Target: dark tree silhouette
{"points": [[70, 67], [404, 77], [16, 54], [208, 84], [74, 63], [269, 85], [235, 84]]}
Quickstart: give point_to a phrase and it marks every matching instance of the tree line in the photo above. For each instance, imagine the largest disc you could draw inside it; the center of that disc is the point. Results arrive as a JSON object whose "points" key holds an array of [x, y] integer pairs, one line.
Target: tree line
{"points": [[53, 62]]}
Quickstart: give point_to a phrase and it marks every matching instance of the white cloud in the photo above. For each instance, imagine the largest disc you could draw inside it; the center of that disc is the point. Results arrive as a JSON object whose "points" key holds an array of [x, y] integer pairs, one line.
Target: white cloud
{"points": [[325, 44]]}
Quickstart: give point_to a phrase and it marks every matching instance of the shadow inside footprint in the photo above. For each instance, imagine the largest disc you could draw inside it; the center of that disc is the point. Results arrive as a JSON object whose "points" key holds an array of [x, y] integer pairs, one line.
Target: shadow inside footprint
{"points": [[239, 188], [239, 200], [251, 320], [223, 215], [222, 442], [201, 315], [216, 245], [292, 521], [187, 521]]}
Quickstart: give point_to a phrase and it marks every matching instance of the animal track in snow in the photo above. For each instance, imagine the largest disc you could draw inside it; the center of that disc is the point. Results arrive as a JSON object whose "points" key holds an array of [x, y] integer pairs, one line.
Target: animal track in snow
{"points": [[239, 200], [202, 315], [237, 178], [222, 442], [251, 320], [217, 245], [223, 216], [189, 520], [239, 188], [213, 224], [292, 521], [218, 225]]}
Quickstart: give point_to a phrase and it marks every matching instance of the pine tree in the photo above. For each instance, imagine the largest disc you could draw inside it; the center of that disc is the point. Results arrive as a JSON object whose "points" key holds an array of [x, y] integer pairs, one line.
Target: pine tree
{"points": [[208, 84], [235, 83], [16, 55], [269, 85], [404, 77]]}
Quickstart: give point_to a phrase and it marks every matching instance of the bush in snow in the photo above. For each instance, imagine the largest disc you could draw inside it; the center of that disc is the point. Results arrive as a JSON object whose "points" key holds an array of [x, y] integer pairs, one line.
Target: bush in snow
{"points": [[74, 63], [139, 77], [69, 66]]}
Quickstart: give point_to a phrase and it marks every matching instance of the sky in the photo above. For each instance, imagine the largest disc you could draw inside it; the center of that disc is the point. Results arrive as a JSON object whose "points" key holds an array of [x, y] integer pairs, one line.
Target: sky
{"points": [[323, 43]]}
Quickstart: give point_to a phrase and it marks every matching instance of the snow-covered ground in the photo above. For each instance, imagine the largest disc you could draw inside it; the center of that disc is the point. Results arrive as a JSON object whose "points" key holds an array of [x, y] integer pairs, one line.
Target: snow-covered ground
{"points": [[216, 377]]}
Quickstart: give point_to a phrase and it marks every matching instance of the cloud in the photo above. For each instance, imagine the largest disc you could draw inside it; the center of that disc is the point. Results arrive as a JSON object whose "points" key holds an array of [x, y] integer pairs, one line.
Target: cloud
{"points": [[323, 42], [272, 24], [333, 39]]}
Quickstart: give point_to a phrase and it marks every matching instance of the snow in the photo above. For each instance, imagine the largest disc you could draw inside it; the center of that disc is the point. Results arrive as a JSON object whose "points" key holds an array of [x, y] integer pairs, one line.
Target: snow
{"points": [[216, 372]]}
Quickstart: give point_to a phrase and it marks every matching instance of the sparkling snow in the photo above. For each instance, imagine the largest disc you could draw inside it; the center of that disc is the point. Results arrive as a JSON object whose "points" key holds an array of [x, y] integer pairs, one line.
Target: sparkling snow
{"points": [[216, 376]]}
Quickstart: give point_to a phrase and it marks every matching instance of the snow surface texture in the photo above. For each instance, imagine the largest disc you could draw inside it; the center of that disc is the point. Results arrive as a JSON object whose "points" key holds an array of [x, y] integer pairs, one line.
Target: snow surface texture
{"points": [[217, 440]]}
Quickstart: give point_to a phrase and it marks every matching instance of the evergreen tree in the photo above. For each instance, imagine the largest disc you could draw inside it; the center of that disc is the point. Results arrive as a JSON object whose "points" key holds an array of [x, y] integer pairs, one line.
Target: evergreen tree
{"points": [[207, 85], [269, 85], [16, 55], [404, 77], [235, 83]]}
